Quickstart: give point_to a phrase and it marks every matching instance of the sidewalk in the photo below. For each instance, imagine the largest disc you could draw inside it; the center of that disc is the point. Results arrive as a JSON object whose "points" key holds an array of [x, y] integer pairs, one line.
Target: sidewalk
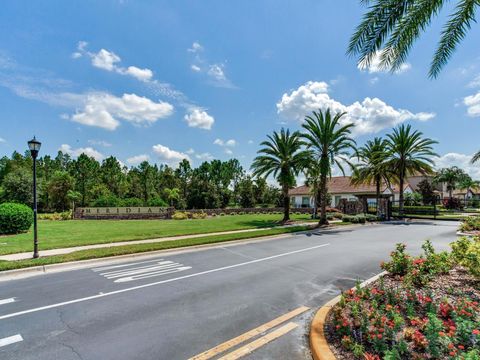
{"points": [[62, 251]]}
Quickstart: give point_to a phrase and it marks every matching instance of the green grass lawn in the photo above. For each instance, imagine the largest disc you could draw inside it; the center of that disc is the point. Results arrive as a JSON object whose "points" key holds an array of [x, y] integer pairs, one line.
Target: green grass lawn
{"points": [[139, 248], [60, 234]]}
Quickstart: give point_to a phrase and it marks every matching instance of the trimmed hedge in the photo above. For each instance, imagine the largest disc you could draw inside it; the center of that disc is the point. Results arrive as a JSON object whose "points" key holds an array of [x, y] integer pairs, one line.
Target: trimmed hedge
{"points": [[15, 218]]}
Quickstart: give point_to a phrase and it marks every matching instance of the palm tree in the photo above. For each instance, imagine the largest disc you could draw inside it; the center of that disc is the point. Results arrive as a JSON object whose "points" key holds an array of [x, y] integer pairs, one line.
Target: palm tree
{"points": [[373, 167], [467, 183], [451, 177], [281, 156], [329, 144], [408, 153], [392, 26], [475, 158]]}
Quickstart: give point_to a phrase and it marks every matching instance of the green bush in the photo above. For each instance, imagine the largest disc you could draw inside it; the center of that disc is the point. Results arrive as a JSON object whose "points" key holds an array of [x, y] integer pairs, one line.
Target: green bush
{"points": [[466, 252], [371, 217], [470, 223], [180, 215], [15, 218], [107, 201], [132, 202], [157, 202]]}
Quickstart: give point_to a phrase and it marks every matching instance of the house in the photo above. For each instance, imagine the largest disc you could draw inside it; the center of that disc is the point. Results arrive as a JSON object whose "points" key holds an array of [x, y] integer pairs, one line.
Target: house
{"points": [[340, 187]]}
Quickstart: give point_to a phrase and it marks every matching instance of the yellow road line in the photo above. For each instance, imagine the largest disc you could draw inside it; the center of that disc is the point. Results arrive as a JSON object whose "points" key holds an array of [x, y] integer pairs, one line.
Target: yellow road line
{"points": [[248, 335], [264, 340]]}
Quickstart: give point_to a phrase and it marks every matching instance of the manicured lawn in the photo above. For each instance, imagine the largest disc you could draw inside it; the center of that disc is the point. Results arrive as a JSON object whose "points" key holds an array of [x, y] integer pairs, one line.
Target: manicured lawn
{"points": [[60, 234], [139, 248]]}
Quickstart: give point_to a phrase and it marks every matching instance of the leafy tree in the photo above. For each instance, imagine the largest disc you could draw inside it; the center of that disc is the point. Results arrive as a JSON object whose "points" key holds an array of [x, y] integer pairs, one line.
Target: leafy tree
{"points": [[18, 186], [112, 175], [172, 196], [246, 192], [451, 177], [467, 183], [146, 173], [85, 172], [74, 197], [58, 189], [373, 167], [426, 190], [281, 156], [184, 175], [330, 144], [408, 153], [392, 26]]}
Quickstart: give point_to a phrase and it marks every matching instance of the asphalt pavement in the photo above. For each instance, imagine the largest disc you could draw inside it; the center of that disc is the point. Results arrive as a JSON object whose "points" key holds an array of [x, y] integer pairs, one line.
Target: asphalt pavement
{"points": [[181, 304]]}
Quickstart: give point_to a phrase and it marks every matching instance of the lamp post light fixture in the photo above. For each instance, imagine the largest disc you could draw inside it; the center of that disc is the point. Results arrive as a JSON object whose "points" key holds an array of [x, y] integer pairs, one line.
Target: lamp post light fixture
{"points": [[34, 146]]}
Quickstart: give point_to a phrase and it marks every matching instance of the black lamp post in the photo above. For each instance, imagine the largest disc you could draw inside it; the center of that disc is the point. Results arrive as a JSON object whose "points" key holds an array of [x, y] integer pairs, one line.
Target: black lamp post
{"points": [[34, 146]]}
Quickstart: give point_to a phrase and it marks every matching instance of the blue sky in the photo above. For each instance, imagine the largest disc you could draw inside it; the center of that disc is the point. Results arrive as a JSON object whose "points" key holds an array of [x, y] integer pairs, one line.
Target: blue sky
{"points": [[163, 80]]}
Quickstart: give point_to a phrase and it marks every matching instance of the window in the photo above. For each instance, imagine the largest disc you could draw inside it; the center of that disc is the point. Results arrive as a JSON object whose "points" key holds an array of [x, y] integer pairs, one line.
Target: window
{"points": [[305, 201]]}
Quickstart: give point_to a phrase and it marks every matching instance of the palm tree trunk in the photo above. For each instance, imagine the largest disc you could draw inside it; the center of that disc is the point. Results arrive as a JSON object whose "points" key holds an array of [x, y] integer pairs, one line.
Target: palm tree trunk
{"points": [[323, 200], [286, 204], [400, 205], [377, 181]]}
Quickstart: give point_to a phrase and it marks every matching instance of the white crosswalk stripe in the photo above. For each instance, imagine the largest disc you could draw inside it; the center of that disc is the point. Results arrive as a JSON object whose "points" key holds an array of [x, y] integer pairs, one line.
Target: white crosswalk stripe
{"points": [[7, 301], [131, 272], [10, 340]]}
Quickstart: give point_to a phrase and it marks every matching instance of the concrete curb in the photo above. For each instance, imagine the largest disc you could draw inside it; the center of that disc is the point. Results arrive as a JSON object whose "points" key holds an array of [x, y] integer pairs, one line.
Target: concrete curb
{"points": [[460, 233], [318, 342]]}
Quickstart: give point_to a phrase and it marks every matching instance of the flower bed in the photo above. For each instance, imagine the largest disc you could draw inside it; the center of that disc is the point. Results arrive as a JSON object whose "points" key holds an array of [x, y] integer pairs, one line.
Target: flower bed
{"points": [[427, 307]]}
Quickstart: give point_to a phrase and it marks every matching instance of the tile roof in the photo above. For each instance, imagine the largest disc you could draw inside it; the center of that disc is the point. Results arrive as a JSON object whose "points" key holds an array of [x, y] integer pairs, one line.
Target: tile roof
{"points": [[342, 185]]}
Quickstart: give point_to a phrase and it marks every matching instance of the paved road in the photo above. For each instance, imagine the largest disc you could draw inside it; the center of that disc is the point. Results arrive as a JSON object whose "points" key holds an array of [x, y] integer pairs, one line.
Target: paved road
{"points": [[179, 305]]}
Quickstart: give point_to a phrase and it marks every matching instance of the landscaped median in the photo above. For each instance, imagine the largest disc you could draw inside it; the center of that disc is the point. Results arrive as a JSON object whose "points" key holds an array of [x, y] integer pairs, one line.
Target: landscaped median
{"points": [[425, 307], [141, 248]]}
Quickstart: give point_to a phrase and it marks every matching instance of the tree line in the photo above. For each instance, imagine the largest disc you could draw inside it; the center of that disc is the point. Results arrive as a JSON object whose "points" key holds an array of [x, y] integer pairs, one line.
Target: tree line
{"points": [[64, 182]]}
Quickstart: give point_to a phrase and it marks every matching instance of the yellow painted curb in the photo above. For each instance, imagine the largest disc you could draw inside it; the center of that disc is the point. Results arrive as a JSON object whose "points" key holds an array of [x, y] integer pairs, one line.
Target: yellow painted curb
{"points": [[318, 342]]}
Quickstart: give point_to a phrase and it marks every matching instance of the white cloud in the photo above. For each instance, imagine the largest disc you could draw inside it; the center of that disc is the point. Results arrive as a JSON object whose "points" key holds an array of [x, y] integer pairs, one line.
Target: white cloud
{"points": [[190, 151], [138, 159], [196, 47], [140, 74], [103, 110], [227, 143], [473, 104], [369, 116], [250, 142], [215, 72], [67, 149], [375, 66], [460, 160], [100, 143], [2, 140], [228, 152], [475, 82], [108, 60], [204, 156], [169, 156], [195, 68], [105, 59], [199, 118]]}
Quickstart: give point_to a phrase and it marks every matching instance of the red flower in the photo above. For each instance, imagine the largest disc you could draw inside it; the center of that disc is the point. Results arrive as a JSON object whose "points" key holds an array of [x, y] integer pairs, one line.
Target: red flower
{"points": [[476, 332], [461, 347]]}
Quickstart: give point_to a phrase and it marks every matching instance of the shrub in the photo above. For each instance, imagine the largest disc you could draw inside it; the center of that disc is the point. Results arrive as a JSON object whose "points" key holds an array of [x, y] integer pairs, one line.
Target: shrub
{"points": [[452, 204], [65, 215], [470, 223], [132, 202], [107, 201], [400, 261], [157, 202], [371, 217], [347, 218], [199, 215], [180, 215], [466, 252], [15, 218]]}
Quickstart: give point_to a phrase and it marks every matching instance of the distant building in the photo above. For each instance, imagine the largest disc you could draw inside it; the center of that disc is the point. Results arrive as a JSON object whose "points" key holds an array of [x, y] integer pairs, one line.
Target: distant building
{"points": [[340, 187]]}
